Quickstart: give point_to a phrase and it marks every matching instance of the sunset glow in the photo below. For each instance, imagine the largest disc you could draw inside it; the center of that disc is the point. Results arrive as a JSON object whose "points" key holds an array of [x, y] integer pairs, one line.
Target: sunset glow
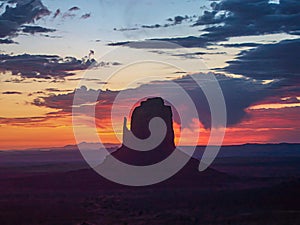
{"points": [[63, 48]]}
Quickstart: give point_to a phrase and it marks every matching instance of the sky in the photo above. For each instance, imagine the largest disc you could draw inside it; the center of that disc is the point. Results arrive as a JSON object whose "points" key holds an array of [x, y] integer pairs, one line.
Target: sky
{"points": [[51, 50]]}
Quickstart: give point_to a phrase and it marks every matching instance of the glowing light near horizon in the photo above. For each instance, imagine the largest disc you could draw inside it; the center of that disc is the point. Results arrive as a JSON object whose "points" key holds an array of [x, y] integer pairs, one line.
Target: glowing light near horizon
{"points": [[274, 2], [267, 81], [274, 106]]}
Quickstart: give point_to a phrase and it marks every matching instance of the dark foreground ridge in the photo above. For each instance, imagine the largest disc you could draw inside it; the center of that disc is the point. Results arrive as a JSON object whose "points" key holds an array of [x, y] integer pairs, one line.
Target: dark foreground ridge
{"points": [[61, 189]]}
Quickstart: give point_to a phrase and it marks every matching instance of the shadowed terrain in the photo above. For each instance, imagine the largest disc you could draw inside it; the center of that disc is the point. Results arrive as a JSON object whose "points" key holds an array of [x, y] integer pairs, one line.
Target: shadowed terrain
{"points": [[68, 192], [249, 184]]}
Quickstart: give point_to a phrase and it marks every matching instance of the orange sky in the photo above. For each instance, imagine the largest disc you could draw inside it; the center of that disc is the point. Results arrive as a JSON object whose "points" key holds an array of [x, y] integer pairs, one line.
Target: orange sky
{"points": [[262, 126]]}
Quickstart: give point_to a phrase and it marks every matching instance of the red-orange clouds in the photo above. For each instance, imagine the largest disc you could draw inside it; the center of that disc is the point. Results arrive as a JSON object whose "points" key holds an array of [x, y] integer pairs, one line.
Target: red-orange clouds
{"points": [[245, 124]]}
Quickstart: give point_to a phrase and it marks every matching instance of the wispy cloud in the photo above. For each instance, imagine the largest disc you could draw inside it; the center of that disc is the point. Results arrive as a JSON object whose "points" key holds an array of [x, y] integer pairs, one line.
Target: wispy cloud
{"points": [[12, 93], [170, 22], [71, 13], [58, 90], [36, 29], [86, 16]]}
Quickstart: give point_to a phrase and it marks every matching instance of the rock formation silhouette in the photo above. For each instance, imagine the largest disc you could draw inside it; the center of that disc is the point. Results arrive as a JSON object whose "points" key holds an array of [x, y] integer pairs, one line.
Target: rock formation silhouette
{"points": [[141, 116], [189, 175], [140, 119], [89, 180]]}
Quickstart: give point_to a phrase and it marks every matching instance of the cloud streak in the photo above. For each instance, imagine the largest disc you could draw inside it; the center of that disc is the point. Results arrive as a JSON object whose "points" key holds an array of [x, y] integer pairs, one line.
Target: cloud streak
{"points": [[172, 22], [43, 66], [12, 93], [36, 29]]}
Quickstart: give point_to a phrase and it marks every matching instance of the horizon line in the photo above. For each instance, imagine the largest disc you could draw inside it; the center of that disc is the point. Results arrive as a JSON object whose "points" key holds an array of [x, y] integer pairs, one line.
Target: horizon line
{"points": [[118, 145]]}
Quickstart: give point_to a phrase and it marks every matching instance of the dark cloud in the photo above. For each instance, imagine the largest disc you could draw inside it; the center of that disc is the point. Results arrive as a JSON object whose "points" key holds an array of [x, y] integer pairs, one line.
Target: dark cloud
{"points": [[37, 93], [239, 94], [124, 29], [179, 19], [86, 16], [43, 66], [236, 18], [17, 80], [84, 79], [187, 42], [209, 17], [250, 17], [277, 62], [164, 43], [241, 45], [92, 52], [75, 8], [7, 41], [188, 55], [196, 55], [119, 43], [11, 93], [151, 26], [57, 13], [58, 90], [36, 29], [70, 14], [24, 12], [270, 61], [173, 21], [64, 102]]}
